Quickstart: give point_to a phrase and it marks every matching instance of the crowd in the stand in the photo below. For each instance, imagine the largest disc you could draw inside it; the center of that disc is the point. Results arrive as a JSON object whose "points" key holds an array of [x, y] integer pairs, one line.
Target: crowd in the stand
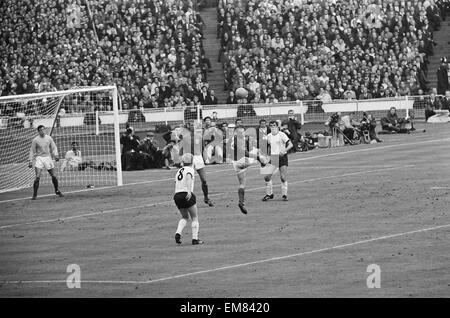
{"points": [[278, 50], [152, 50], [43, 46], [326, 50]]}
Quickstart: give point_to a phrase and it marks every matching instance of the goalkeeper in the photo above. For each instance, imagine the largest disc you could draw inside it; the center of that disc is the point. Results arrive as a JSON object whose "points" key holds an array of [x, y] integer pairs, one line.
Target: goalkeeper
{"points": [[43, 148]]}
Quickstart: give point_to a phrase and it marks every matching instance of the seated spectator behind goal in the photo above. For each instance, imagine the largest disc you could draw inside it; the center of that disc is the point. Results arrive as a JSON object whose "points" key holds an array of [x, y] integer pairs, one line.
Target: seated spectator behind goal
{"points": [[348, 126], [74, 161], [393, 123], [152, 156], [130, 144], [292, 130], [369, 123]]}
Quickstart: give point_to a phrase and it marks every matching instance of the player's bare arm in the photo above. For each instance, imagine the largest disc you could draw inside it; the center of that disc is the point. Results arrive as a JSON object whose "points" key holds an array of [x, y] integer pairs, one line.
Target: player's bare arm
{"points": [[288, 147], [189, 186]]}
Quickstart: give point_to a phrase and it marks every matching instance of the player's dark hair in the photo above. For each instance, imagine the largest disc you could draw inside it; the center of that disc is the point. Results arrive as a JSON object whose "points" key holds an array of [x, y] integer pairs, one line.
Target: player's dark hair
{"points": [[262, 120], [39, 127], [204, 119], [74, 143], [273, 122]]}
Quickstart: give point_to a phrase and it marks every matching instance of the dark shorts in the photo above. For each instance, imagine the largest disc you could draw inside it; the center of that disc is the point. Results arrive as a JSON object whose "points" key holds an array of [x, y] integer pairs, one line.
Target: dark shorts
{"points": [[181, 202], [282, 160]]}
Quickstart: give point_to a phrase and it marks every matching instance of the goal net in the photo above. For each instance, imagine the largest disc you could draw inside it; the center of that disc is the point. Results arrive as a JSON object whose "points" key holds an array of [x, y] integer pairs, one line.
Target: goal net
{"points": [[84, 123]]}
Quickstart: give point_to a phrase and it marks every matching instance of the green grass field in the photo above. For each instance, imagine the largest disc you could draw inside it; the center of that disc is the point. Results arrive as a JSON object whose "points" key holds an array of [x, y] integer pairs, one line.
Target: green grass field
{"points": [[348, 208]]}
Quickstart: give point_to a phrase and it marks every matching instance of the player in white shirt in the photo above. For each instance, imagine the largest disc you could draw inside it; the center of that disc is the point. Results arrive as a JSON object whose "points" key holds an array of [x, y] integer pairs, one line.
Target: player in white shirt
{"points": [[279, 144], [42, 149], [73, 159], [195, 141], [185, 199]]}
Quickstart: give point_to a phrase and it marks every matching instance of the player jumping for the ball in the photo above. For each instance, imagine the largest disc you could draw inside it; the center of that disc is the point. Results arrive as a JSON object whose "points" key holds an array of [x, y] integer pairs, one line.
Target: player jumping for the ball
{"points": [[279, 144], [185, 199], [42, 149]]}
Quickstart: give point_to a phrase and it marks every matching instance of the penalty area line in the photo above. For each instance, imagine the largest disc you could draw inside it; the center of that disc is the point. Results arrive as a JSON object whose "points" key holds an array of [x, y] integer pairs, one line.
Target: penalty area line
{"points": [[231, 267]]}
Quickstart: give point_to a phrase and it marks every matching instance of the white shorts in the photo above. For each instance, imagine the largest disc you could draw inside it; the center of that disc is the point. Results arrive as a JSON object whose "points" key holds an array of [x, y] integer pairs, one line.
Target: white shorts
{"points": [[242, 164], [198, 162], [245, 162], [44, 163], [268, 169]]}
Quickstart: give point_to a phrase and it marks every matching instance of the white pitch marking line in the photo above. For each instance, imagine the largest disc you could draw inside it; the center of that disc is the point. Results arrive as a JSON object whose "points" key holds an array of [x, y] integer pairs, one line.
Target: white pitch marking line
{"points": [[217, 269], [108, 187], [212, 195], [370, 149], [440, 188], [217, 171]]}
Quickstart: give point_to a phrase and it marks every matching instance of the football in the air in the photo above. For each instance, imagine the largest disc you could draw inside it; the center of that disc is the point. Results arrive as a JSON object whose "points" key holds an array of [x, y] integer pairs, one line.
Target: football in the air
{"points": [[241, 93], [263, 159]]}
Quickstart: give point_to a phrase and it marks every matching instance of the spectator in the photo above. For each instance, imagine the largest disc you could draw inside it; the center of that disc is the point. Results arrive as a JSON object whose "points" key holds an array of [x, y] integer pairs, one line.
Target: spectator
{"points": [[293, 129], [393, 123], [231, 99], [261, 134], [130, 144], [135, 41], [442, 77], [348, 125], [153, 156], [308, 47], [204, 96], [212, 98], [214, 117], [73, 159], [445, 101], [435, 101], [369, 123], [237, 123]]}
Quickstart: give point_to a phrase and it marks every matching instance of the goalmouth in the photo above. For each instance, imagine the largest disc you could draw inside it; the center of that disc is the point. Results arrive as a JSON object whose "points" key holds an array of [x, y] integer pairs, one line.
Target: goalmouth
{"points": [[89, 152]]}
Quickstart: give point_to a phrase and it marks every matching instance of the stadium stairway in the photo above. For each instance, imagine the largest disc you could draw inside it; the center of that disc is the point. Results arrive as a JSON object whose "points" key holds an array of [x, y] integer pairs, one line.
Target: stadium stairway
{"points": [[442, 49], [211, 44]]}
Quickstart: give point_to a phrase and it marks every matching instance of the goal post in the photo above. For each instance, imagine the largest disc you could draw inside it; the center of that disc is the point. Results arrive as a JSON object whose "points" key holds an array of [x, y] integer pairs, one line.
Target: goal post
{"points": [[84, 124]]}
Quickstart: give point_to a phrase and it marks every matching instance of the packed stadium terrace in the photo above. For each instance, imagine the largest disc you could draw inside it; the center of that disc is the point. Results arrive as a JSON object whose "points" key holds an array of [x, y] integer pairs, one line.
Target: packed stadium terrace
{"points": [[278, 50], [152, 50], [302, 50]]}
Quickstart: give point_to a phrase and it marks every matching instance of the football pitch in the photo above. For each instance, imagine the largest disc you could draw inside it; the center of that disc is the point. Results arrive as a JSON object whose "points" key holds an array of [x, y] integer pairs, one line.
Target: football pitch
{"points": [[350, 208]]}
